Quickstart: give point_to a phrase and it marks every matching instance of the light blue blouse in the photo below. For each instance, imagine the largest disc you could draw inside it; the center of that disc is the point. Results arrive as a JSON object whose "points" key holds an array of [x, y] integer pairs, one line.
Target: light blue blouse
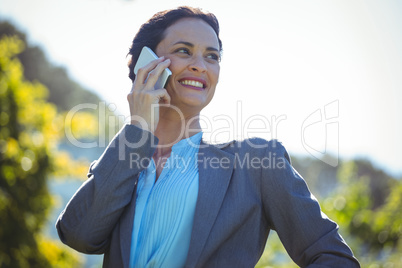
{"points": [[164, 210]]}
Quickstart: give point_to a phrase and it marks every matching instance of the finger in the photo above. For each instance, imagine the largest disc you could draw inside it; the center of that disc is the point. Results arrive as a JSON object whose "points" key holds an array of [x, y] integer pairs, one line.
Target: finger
{"points": [[133, 86], [162, 95], [158, 96], [143, 72], [154, 75], [145, 97]]}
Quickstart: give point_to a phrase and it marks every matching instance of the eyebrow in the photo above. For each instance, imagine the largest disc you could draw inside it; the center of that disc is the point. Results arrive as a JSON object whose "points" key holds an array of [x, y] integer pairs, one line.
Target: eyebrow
{"points": [[192, 45]]}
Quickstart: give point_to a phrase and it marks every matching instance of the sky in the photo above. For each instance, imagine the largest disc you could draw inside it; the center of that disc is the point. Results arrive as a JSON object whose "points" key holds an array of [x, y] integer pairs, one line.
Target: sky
{"points": [[323, 77]]}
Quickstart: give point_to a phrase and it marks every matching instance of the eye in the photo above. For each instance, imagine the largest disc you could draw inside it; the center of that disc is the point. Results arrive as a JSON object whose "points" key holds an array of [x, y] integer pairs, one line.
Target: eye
{"points": [[183, 50], [213, 56]]}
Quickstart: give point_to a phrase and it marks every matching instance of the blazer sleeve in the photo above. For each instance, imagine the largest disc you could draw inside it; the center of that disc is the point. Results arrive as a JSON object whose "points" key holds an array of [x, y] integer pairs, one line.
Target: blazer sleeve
{"points": [[90, 216], [309, 236]]}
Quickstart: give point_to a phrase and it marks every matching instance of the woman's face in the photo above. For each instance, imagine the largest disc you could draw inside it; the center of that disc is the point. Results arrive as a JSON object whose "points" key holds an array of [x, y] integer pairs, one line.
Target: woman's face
{"points": [[193, 48]]}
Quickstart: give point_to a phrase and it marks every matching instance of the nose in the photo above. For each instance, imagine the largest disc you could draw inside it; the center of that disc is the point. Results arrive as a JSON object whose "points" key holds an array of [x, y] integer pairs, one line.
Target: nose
{"points": [[198, 64]]}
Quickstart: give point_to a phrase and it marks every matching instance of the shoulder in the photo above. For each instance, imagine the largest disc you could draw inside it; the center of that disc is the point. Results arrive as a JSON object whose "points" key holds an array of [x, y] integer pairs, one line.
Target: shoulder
{"points": [[253, 152], [256, 146]]}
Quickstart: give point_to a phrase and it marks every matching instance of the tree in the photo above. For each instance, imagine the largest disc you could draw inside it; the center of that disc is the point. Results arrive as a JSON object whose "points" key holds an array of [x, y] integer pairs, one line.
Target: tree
{"points": [[63, 91], [30, 129], [367, 206]]}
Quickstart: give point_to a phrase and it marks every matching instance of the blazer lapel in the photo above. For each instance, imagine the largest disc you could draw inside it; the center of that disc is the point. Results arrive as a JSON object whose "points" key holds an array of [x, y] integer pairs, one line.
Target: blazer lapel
{"points": [[215, 170]]}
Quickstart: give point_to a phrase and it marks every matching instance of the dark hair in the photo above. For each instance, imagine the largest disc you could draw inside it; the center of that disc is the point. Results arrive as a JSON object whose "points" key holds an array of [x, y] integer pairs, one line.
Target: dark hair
{"points": [[152, 32]]}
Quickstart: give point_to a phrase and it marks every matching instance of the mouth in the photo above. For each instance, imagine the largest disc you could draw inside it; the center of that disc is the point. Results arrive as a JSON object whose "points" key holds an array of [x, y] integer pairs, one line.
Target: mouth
{"points": [[194, 83]]}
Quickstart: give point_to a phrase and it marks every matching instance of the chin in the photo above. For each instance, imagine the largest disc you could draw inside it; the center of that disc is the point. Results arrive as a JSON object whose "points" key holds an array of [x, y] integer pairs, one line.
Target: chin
{"points": [[195, 103], [190, 98]]}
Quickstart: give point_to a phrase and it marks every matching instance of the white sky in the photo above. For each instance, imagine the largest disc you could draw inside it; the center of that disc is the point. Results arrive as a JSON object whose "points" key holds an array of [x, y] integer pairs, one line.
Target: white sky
{"points": [[282, 62]]}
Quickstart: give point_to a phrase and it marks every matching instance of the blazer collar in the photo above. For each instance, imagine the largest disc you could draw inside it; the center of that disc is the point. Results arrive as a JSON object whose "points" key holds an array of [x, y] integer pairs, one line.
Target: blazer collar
{"points": [[215, 168]]}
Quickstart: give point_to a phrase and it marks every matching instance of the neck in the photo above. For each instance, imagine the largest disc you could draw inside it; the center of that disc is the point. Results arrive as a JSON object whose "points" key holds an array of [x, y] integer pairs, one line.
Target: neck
{"points": [[173, 127]]}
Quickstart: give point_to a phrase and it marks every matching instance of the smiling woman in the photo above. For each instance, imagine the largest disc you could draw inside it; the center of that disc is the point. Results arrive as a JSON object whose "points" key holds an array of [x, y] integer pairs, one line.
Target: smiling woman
{"points": [[193, 49], [160, 196]]}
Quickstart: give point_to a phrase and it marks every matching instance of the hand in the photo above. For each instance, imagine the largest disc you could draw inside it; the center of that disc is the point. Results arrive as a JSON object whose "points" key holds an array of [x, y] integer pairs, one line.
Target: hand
{"points": [[144, 98]]}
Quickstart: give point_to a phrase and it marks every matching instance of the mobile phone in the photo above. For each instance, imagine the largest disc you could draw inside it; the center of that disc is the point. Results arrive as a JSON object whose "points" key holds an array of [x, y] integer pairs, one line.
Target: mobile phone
{"points": [[146, 56]]}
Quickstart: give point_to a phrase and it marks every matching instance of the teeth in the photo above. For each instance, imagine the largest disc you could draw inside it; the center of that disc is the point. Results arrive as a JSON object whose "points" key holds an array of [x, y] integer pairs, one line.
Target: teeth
{"points": [[192, 83]]}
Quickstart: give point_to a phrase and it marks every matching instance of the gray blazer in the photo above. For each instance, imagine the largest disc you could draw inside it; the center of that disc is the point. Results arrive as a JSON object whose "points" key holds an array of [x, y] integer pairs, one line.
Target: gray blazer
{"points": [[245, 189]]}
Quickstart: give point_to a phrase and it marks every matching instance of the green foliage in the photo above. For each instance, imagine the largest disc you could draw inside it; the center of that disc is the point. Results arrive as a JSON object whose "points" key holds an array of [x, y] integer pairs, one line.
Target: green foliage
{"points": [[63, 91], [32, 134], [275, 255], [321, 178], [364, 201], [369, 218], [94, 122], [28, 137]]}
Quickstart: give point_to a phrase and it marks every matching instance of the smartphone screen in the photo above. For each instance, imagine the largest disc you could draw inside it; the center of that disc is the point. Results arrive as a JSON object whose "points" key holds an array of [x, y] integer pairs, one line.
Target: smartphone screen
{"points": [[146, 56]]}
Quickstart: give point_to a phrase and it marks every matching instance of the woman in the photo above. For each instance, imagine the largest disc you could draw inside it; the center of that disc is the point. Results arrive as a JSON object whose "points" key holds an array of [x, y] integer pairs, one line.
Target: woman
{"points": [[159, 196]]}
